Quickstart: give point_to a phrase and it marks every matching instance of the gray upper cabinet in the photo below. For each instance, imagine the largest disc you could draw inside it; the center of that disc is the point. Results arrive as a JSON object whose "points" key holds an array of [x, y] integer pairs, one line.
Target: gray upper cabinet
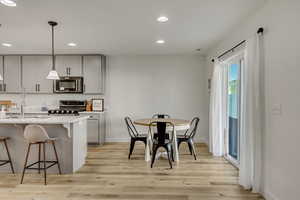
{"points": [[69, 65], [12, 74], [35, 71], [93, 74], [30, 72]]}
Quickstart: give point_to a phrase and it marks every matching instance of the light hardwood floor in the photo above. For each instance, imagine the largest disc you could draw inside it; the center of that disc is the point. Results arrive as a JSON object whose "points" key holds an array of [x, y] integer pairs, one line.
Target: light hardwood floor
{"points": [[108, 174]]}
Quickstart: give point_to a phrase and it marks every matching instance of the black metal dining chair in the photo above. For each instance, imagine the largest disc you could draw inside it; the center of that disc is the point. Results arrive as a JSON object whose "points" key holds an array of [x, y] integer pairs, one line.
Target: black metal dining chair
{"points": [[134, 135], [161, 116], [189, 135], [161, 140]]}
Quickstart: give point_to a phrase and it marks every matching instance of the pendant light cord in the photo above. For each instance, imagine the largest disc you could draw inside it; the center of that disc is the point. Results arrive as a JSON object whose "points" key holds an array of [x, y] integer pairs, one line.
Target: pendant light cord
{"points": [[53, 57], [52, 24]]}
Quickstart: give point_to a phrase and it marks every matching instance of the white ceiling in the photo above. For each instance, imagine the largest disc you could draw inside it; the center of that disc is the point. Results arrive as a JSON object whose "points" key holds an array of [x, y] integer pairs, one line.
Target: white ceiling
{"points": [[115, 27]]}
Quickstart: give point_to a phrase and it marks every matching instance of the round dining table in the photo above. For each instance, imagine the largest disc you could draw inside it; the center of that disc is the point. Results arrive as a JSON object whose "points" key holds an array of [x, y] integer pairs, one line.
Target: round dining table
{"points": [[179, 124]]}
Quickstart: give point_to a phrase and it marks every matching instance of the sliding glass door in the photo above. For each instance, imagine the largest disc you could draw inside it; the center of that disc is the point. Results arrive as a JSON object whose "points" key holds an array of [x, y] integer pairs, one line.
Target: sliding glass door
{"points": [[232, 136]]}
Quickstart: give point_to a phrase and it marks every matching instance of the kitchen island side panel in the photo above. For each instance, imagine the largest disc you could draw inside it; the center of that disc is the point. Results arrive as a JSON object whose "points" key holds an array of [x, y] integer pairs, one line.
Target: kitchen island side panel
{"points": [[70, 144]]}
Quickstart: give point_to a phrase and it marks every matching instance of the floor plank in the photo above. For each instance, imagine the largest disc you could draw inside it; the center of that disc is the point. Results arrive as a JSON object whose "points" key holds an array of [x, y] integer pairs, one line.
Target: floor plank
{"points": [[108, 174]]}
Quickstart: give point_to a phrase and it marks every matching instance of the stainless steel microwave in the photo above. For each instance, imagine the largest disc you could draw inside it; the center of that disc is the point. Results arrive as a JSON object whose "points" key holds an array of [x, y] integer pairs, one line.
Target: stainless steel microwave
{"points": [[69, 84]]}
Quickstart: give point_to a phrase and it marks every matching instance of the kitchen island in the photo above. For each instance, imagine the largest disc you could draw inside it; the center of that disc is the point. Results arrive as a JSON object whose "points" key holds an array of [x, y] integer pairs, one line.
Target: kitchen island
{"points": [[71, 144]]}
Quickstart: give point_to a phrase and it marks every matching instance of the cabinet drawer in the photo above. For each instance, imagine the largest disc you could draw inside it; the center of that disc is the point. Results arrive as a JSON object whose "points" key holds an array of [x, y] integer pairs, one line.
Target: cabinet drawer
{"points": [[91, 115], [94, 117]]}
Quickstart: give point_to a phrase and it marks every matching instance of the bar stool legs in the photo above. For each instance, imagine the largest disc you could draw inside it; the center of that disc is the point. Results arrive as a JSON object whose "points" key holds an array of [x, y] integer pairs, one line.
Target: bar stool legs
{"points": [[39, 158], [3, 162], [56, 156], [45, 169], [42, 145], [25, 165]]}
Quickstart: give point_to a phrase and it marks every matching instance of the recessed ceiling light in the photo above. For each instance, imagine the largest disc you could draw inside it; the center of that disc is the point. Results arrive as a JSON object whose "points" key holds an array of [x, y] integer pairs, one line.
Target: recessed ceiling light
{"points": [[6, 45], [72, 44], [162, 19], [160, 41], [9, 3]]}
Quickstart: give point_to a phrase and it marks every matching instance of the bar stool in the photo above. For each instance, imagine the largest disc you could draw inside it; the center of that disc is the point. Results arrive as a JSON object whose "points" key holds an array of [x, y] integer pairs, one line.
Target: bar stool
{"points": [[4, 162], [37, 135]]}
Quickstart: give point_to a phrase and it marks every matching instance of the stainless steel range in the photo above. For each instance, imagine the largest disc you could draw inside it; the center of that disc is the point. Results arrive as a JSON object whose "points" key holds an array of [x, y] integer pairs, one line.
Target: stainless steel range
{"points": [[63, 112], [69, 107], [74, 105]]}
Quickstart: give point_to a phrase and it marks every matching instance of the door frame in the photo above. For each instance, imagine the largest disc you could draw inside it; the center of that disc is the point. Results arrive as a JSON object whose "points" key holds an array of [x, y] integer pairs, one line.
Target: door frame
{"points": [[239, 57]]}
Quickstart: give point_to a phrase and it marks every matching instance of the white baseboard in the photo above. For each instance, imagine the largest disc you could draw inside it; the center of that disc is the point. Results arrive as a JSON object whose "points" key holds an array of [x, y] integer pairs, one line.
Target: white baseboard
{"points": [[200, 140], [269, 195], [117, 139]]}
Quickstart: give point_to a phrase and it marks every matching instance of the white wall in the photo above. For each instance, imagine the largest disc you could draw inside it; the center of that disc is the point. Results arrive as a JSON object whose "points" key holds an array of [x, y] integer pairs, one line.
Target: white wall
{"points": [[140, 86], [280, 18]]}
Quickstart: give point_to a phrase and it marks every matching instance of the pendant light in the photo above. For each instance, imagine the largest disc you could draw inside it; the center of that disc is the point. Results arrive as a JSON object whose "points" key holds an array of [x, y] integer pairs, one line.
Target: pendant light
{"points": [[10, 3], [53, 75]]}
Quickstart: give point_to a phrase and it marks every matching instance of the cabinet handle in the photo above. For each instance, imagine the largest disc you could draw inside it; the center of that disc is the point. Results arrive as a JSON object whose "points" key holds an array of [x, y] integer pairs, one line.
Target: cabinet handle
{"points": [[37, 87], [4, 87]]}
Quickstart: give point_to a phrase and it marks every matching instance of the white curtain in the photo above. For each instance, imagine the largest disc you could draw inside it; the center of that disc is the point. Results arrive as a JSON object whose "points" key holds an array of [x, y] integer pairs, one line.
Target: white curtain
{"points": [[252, 114], [218, 105]]}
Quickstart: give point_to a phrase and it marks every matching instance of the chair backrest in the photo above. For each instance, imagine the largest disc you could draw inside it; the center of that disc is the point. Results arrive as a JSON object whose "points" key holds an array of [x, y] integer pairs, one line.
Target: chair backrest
{"points": [[161, 128], [161, 116], [191, 132], [35, 133], [131, 128]]}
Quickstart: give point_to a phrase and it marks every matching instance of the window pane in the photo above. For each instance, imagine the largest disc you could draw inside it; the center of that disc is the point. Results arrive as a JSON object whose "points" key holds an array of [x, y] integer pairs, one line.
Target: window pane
{"points": [[233, 109]]}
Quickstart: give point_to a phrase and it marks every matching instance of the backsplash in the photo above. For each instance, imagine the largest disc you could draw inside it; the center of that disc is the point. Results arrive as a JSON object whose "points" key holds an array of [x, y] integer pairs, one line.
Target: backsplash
{"points": [[34, 102]]}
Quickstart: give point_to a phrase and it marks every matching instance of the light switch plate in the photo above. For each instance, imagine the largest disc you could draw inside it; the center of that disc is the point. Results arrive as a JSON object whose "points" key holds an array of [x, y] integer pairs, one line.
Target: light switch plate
{"points": [[276, 109]]}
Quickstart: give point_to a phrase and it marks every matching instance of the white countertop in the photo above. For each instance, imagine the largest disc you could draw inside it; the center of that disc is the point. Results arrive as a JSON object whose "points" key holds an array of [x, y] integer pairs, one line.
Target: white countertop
{"points": [[46, 112], [42, 119]]}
